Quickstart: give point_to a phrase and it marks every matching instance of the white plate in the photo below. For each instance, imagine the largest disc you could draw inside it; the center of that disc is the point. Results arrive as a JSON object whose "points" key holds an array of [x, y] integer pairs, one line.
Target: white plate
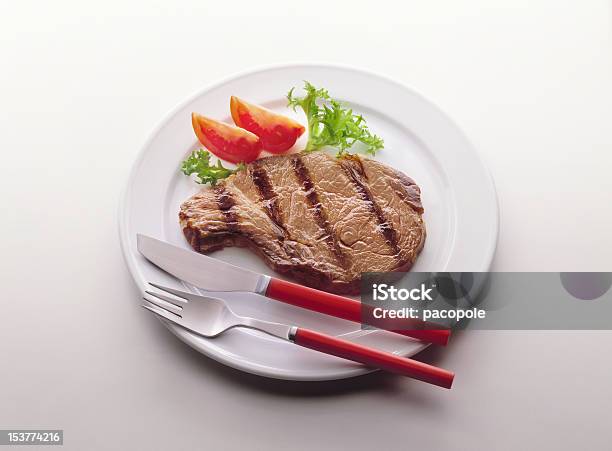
{"points": [[458, 194]]}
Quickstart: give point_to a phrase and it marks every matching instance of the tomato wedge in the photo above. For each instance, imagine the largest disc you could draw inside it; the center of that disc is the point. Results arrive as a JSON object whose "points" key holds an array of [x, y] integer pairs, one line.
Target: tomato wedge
{"points": [[226, 141], [278, 133]]}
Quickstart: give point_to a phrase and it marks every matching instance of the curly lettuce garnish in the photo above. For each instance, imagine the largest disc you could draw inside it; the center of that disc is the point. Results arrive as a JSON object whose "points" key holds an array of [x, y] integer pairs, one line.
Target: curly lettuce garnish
{"points": [[199, 163], [331, 124]]}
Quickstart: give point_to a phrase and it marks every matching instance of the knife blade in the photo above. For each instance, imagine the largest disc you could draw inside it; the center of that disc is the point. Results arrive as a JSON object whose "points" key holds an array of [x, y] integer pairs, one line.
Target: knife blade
{"points": [[204, 272], [212, 274]]}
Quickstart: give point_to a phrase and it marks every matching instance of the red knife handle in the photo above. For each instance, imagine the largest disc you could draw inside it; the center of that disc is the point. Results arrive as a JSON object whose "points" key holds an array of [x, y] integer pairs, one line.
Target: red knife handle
{"points": [[349, 309], [373, 357]]}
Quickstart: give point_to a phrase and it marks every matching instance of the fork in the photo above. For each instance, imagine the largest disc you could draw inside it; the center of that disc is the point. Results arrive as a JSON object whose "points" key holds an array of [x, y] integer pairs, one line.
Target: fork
{"points": [[210, 317]]}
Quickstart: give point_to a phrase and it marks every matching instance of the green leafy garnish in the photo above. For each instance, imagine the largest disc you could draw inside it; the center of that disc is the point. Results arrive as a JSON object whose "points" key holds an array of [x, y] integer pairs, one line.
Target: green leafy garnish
{"points": [[331, 124], [199, 163]]}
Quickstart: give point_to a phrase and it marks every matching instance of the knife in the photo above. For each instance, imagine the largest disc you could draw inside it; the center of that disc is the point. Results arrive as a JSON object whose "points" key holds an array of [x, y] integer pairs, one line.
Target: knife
{"points": [[212, 274]]}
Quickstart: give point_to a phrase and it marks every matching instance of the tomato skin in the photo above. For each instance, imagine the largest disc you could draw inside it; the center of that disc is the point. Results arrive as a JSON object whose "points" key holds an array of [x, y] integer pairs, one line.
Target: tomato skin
{"points": [[278, 133], [226, 141]]}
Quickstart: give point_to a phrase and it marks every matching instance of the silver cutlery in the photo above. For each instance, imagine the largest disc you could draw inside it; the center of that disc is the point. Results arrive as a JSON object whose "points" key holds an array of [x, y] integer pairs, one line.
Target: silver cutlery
{"points": [[210, 317], [211, 274]]}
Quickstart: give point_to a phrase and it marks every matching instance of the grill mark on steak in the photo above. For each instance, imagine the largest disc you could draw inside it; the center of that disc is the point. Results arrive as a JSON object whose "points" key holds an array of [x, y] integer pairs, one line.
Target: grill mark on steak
{"points": [[225, 201], [301, 171], [268, 196], [411, 193], [355, 172]]}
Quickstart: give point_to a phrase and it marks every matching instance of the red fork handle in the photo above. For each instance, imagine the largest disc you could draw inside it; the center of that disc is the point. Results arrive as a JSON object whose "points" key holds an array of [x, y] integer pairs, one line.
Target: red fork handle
{"points": [[350, 309], [372, 357]]}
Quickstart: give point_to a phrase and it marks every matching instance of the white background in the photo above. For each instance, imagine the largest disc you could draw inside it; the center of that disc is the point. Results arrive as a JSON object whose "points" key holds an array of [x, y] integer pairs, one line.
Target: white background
{"points": [[82, 84]]}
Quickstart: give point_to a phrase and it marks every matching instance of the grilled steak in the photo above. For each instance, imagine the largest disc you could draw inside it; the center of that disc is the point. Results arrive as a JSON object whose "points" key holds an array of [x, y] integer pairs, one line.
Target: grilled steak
{"points": [[319, 219]]}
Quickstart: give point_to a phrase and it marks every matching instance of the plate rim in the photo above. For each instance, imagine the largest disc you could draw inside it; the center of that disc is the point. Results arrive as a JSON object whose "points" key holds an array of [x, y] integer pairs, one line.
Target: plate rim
{"points": [[124, 204]]}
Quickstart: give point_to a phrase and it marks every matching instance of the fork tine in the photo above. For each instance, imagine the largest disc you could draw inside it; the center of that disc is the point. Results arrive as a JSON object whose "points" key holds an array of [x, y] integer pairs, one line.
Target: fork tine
{"points": [[164, 302], [180, 302], [161, 312], [181, 294]]}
